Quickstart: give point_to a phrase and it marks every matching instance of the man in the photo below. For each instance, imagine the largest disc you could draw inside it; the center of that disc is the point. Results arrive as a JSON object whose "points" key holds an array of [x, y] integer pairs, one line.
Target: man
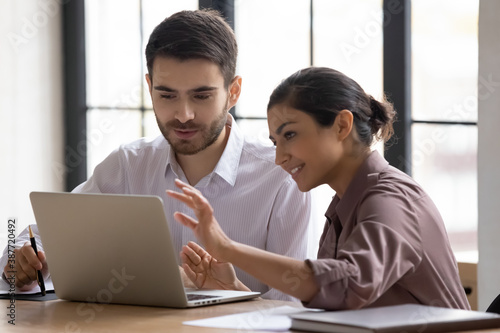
{"points": [[191, 60]]}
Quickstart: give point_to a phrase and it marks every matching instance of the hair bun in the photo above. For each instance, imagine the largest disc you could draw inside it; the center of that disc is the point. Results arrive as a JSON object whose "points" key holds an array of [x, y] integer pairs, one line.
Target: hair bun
{"points": [[382, 118]]}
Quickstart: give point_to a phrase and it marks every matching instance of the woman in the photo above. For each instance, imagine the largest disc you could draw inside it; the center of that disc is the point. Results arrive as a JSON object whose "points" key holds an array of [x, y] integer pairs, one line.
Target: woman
{"points": [[384, 241]]}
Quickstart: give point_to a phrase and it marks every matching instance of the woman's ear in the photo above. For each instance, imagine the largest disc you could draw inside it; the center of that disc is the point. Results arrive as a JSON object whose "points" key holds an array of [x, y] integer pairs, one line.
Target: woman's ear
{"points": [[343, 124]]}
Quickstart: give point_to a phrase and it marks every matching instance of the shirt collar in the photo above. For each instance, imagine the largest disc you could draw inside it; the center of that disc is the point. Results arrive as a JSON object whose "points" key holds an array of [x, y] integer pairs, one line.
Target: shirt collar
{"points": [[172, 162], [366, 176], [227, 167]]}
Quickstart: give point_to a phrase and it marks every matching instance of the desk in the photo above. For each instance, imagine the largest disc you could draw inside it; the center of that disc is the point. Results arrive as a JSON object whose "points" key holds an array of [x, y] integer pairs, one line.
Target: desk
{"points": [[62, 316]]}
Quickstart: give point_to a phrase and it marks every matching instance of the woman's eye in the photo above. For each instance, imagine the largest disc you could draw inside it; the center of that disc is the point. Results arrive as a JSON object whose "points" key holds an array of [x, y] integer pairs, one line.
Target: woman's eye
{"points": [[289, 135]]}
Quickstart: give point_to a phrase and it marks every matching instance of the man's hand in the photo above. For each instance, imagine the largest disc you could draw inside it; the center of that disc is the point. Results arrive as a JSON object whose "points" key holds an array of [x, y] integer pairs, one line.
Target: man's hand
{"points": [[206, 272], [23, 268]]}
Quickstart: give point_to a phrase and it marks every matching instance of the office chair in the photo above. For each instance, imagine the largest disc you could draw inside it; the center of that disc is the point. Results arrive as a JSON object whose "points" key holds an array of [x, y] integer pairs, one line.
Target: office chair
{"points": [[494, 306]]}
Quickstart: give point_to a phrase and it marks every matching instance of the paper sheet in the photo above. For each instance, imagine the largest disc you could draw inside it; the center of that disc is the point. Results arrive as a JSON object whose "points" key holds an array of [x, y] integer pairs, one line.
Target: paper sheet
{"points": [[270, 319]]}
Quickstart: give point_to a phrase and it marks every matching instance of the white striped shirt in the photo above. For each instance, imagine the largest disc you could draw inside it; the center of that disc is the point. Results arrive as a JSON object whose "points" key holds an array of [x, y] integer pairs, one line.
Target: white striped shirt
{"points": [[254, 201]]}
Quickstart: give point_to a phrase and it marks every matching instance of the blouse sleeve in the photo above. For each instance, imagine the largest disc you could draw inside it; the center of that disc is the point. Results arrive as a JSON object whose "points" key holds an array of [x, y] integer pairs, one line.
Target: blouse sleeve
{"points": [[383, 246]]}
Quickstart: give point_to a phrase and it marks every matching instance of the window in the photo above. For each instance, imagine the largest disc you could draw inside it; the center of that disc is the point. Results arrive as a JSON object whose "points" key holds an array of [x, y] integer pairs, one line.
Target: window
{"points": [[444, 112], [278, 37]]}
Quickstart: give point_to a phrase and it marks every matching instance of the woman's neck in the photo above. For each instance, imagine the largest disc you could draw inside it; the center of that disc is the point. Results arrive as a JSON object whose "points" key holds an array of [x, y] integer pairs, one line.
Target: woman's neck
{"points": [[347, 169]]}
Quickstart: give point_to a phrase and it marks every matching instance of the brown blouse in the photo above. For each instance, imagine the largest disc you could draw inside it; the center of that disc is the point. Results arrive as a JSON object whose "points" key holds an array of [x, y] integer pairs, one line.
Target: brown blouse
{"points": [[385, 243]]}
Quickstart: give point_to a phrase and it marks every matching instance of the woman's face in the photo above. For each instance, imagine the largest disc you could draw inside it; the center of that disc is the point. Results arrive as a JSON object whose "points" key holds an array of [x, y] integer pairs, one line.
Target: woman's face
{"points": [[309, 152]]}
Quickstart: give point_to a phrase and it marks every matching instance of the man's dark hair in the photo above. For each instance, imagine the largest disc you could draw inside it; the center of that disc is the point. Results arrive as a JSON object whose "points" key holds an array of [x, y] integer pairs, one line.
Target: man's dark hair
{"points": [[198, 34]]}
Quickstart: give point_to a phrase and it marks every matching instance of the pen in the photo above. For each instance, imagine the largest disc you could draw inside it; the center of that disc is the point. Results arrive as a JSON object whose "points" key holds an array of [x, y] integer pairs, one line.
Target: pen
{"points": [[39, 276]]}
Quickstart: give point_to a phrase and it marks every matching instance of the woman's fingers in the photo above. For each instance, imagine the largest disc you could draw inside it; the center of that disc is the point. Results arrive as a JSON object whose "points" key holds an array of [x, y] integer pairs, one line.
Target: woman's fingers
{"points": [[185, 220], [194, 200], [191, 197], [186, 261], [191, 254], [202, 207], [181, 197], [180, 184], [189, 272], [191, 275], [196, 249]]}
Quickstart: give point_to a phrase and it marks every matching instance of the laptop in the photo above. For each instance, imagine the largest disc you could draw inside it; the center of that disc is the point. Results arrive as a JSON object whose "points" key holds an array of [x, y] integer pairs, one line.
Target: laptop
{"points": [[108, 248]]}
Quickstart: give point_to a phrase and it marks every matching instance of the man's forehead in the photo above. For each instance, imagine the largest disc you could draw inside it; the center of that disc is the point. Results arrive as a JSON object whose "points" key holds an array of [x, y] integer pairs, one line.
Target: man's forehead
{"points": [[202, 71]]}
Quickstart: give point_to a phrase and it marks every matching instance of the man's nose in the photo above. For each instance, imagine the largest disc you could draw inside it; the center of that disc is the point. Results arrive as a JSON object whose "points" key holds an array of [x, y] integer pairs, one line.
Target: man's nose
{"points": [[184, 112]]}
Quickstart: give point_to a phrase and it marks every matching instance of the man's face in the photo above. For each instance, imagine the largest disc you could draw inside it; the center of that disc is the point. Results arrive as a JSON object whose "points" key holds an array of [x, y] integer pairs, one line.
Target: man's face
{"points": [[190, 102]]}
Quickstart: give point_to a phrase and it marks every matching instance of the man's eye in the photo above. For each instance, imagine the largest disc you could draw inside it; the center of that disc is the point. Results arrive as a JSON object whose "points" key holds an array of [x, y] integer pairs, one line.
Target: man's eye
{"points": [[167, 96], [201, 97], [289, 135]]}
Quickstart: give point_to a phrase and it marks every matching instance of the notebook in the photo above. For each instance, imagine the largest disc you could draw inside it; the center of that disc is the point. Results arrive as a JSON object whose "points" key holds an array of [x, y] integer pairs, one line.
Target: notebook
{"points": [[108, 248], [395, 319]]}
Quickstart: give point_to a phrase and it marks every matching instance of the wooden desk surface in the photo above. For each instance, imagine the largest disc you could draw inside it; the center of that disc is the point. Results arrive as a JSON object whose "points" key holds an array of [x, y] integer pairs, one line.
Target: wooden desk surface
{"points": [[63, 316]]}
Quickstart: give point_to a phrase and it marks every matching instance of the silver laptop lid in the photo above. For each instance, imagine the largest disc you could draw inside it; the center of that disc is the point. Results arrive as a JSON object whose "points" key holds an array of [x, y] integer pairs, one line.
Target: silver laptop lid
{"points": [[109, 248]]}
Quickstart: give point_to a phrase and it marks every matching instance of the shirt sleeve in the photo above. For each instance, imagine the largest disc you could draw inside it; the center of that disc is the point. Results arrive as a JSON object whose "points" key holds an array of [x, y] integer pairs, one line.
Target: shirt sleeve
{"points": [[108, 177], [288, 228], [383, 247]]}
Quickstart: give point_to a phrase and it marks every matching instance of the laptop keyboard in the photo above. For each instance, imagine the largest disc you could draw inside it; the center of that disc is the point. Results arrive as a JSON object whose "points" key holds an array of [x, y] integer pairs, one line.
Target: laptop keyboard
{"points": [[196, 297]]}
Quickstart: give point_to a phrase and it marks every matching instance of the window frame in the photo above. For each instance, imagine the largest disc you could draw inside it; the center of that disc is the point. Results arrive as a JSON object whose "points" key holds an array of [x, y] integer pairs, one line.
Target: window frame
{"points": [[396, 82]]}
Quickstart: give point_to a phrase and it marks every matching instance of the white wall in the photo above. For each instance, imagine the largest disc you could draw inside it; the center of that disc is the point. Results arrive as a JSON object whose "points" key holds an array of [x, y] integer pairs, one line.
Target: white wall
{"points": [[489, 152], [30, 106]]}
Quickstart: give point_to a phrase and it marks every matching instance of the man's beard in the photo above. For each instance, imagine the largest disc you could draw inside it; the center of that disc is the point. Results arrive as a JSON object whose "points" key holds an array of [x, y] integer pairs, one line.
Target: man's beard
{"points": [[209, 133]]}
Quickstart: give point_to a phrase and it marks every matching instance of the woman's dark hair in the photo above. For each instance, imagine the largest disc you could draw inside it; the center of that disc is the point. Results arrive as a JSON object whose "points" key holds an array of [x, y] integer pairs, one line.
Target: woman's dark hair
{"points": [[323, 92], [198, 34]]}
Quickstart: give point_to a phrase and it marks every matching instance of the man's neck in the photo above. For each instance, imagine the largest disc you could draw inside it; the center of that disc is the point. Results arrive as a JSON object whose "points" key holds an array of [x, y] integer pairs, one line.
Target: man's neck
{"points": [[197, 166]]}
